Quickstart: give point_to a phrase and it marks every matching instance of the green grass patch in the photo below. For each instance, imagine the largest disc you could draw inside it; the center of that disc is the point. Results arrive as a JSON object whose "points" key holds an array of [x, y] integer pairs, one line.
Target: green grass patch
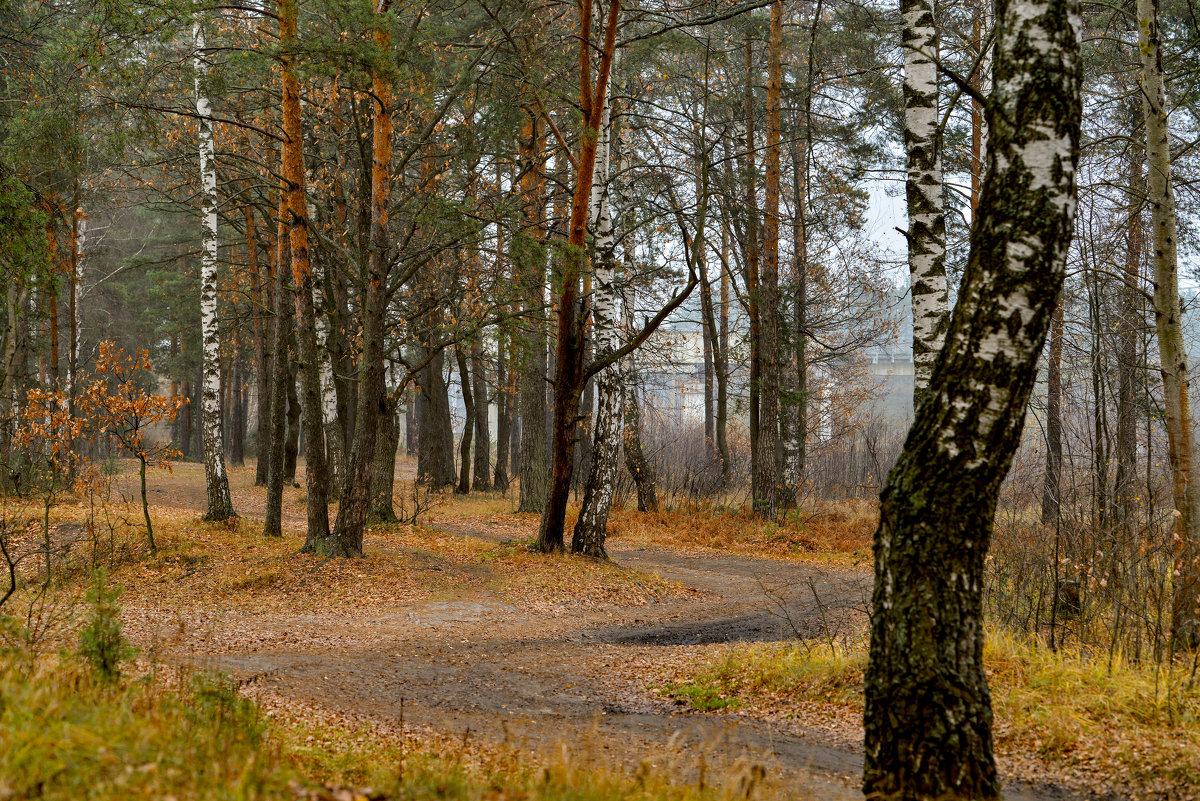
{"points": [[703, 695]]}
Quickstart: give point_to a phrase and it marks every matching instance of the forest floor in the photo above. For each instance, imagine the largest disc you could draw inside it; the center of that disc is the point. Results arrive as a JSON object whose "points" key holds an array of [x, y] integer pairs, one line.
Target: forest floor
{"points": [[452, 627]]}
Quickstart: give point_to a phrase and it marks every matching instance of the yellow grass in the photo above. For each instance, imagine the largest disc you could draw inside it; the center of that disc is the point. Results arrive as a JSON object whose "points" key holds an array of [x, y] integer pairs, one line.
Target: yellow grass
{"points": [[1131, 723]]}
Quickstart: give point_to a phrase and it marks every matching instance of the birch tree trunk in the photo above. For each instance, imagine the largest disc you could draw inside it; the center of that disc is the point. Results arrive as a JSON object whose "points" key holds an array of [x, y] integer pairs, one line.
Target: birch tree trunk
{"points": [[468, 432], [506, 400], [335, 439], [722, 366], [591, 528], [220, 505], [923, 189], [928, 718], [1168, 323], [80, 222], [753, 295]]}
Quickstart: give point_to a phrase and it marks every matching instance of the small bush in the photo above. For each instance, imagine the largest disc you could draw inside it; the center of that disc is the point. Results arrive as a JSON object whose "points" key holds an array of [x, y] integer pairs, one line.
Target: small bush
{"points": [[100, 641]]}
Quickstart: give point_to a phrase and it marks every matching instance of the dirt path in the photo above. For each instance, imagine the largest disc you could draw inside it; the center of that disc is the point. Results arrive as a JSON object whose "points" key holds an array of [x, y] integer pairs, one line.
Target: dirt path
{"points": [[478, 667]]}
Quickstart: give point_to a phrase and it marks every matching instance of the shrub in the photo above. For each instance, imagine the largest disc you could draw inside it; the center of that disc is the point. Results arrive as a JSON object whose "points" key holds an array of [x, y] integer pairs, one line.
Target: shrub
{"points": [[100, 641]]}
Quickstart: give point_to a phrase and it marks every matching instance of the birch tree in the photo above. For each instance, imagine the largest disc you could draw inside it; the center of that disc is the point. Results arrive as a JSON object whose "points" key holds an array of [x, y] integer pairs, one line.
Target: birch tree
{"points": [[592, 524], [569, 367], [335, 440], [928, 717], [1168, 324], [220, 505], [923, 189]]}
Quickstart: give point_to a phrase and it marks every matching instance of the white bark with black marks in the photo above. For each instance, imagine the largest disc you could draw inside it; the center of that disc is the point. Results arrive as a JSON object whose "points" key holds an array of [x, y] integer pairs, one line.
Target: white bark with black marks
{"points": [[335, 442], [928, 716], [923, 189], [591, 528], [220, 506]]}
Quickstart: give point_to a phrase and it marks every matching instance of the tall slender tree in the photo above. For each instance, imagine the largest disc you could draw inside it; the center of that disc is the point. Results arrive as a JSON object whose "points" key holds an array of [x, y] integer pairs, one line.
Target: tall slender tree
{"points": [[569, 373], [1168, 322], [315, 472], [216, 479], [923, 188]]}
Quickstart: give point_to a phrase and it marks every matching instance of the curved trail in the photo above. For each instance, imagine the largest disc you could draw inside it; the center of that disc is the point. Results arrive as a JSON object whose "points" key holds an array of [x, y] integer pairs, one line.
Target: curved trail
{"points": [[478, 667]]}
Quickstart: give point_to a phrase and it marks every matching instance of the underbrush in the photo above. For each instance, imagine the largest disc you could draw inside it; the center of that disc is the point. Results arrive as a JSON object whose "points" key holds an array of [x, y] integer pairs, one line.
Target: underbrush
{"points": [[1126, 720]]}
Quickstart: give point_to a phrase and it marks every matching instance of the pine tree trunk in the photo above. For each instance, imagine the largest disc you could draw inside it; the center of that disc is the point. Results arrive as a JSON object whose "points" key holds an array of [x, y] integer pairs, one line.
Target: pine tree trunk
{"points": [[1168, 322], [1129, 329], [926, 214], [291, 445], [355, 505], [237, 413], [928, 713], [79, 235], [712, 372], [410, 423], [770, 456], [315, 473], [275, 455], [1052, 483], [220, 505], [383, 481], [263, 354], [528, 260], [14, 302], [483, 444], [183, 423]]}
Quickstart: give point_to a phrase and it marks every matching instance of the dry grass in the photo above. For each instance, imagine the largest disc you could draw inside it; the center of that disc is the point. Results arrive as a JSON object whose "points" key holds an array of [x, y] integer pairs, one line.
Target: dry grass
{"points": [[836, 532], [233, 567], [66, 735], [1129, 729]]}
